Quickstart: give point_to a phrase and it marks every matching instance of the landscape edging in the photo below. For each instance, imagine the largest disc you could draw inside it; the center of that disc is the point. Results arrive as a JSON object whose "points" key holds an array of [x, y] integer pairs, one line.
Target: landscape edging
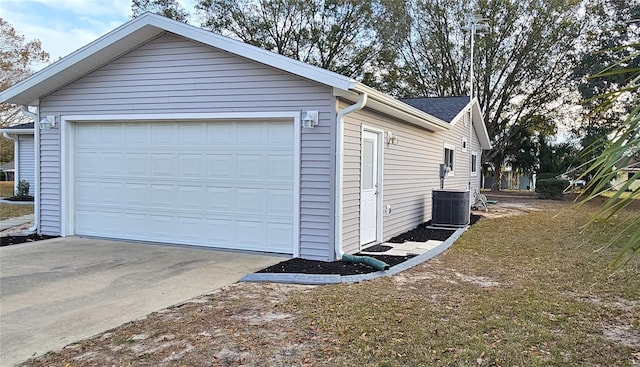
{"points": [[320, 279]]}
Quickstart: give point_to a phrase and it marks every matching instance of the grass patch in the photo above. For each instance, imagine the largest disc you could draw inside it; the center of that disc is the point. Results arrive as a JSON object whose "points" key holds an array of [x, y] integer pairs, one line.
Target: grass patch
{"points": [[6, 189], [14, 210], [530, 290]]}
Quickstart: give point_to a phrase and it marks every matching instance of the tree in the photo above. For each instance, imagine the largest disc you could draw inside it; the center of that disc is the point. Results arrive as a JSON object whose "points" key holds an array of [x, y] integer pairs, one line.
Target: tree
{"points": [[522, 63], [167, 8], [609, 28], [350, 37], [17, 58]]}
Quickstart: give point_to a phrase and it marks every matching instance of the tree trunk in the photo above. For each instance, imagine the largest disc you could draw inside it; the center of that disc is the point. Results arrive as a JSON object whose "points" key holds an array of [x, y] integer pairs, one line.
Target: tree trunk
{"points": [[497, 178]]}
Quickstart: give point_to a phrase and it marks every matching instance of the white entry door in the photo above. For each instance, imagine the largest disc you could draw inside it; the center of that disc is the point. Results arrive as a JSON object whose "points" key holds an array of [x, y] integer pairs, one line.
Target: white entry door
{"points": [[369, 188]]}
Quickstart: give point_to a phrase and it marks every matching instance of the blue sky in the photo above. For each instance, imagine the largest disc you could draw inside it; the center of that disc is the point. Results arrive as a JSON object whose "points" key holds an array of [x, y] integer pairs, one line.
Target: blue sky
{"points": [[64, 26]]}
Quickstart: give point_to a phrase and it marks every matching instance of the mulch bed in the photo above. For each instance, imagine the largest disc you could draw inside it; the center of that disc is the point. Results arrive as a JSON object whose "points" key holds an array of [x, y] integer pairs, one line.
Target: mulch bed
{"points": [[423, 234], [419, 234], [19, 198], [14, 240], [335, 267]]}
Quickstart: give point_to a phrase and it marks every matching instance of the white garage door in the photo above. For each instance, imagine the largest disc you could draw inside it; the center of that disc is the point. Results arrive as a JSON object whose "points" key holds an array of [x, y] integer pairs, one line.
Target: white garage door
{"points": [[222, 184]]}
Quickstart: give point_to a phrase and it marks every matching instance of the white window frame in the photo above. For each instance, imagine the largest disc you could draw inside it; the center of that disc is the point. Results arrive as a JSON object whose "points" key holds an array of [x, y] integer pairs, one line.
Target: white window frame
{"points": [[465, 144], [474, 159], [452, 149]]}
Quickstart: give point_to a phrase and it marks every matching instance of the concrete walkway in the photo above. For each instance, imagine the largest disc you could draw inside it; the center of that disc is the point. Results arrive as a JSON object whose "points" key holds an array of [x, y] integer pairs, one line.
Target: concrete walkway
{"points": [[7, 224], [59, 291]]}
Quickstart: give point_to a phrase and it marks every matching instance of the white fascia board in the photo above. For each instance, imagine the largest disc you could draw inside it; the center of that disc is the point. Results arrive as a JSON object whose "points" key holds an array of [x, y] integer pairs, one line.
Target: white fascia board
{"points": [[460, 114], [478, 125], [17, 131], [140, 30], [388, 105]]}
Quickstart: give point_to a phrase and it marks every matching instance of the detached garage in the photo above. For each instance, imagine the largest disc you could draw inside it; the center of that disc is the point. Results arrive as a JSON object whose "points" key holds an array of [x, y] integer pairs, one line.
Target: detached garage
{"points": [[160, 131]]}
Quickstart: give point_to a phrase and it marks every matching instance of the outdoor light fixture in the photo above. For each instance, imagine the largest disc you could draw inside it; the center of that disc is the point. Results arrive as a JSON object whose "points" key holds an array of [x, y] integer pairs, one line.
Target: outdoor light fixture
{"points": [[310, 120], [392, 138], [48, 122]]}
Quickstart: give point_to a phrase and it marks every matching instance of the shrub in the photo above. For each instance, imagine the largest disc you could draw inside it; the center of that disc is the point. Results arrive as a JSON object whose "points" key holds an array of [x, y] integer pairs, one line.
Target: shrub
{"points": [[23, 189], [546, 175], [551, 188]]}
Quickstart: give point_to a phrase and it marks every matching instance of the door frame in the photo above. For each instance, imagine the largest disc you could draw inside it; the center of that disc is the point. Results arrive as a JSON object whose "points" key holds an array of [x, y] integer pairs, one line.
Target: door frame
{"points": [[380, 175], [67, 155]]}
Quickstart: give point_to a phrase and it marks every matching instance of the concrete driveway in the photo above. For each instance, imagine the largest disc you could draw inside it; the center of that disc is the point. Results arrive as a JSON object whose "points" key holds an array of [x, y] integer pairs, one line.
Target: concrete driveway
{"points": [[59, 291]]}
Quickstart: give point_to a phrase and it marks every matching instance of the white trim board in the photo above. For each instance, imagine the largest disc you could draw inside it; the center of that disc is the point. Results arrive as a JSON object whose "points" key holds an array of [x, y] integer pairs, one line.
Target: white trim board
{"points": [[68, 164]]}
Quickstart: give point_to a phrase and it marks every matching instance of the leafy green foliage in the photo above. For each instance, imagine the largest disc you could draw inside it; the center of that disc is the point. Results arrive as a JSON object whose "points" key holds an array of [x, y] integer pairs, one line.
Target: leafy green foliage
{"points": [[546, 175], [17, 57], [608, 30], [352, 37], [167, 8], [22, 191], [551, 188]]}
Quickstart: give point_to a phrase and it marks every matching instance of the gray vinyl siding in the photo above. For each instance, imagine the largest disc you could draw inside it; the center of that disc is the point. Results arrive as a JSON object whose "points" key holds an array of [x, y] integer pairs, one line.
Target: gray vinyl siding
{"points": [[26, 161], [410, 172], [175, 75]]}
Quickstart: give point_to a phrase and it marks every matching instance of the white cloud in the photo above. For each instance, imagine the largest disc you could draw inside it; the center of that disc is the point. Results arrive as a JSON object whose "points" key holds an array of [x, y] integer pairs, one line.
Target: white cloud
{"points": [[64, 26]]}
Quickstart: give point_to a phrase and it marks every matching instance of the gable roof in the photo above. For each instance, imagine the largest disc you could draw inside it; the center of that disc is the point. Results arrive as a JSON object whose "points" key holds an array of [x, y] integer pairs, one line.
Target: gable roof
{"points": [[451, 109], [28, 125], [444, 108], [9, 166], [19, 129], [149, 26]]}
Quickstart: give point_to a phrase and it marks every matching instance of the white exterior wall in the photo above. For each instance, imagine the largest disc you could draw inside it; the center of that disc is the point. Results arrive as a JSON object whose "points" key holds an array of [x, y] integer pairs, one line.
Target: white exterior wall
{"points": [[26, 161], [174, 75], [410, 172]]}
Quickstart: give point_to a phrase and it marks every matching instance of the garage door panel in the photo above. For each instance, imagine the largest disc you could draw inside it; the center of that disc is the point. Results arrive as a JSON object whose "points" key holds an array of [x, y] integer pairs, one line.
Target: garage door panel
{"points": [[250, 200], [163, 165], [136, 194], [190, 197], [190, 165], [251, 134], [137, 164], [221, 134], [250, 166], [280, 135], [192, 134], [163, 135], [221, 184], [220, 166], [221, 199], [163, 196]]}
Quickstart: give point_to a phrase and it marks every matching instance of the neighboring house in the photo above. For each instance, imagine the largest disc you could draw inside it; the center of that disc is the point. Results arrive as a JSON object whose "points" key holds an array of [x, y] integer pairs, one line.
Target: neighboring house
{"points": [[9, 171], [625, 174], [511, 180], [166, 132], [24, 153]]}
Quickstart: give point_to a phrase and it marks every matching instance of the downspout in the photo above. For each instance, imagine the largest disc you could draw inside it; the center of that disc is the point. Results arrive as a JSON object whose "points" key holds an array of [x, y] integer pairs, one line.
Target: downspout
{"points": [[362, 101], [340, 255], [36, 148]]}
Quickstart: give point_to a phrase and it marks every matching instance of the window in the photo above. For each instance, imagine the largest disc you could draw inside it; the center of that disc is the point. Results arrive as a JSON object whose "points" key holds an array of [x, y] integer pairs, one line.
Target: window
{"points": [[449, 158], [464, 144], [474, 163]]}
